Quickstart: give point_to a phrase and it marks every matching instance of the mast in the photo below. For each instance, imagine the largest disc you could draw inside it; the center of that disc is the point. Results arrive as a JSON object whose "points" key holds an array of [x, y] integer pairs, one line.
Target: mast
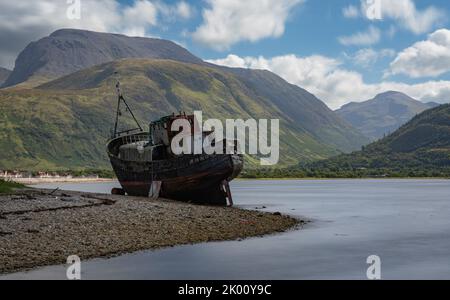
{"points": [[121, 99]]}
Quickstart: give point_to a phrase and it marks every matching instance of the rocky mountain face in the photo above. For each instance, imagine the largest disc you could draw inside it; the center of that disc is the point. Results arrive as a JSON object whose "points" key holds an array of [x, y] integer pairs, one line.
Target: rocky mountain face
{"points": [[384, 114], [68, 50], [65, 122], [4, 74]]}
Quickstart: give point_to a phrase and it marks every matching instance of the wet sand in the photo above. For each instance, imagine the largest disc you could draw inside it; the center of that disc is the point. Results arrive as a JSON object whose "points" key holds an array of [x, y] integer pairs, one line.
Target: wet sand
{"points": [[40, 228]]}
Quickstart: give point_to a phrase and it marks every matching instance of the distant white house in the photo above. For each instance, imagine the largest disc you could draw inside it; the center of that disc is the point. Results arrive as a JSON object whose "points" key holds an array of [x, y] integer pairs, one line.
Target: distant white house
{"points": [[8, 175]]}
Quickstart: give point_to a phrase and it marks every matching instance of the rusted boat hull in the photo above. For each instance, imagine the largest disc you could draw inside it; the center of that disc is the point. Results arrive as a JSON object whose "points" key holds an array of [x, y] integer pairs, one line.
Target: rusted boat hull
{"points": [[197, 178]]}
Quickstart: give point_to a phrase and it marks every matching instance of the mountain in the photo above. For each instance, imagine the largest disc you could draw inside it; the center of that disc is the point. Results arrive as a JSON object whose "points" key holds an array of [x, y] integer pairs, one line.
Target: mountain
{"points": [[384, 114], [69, 50], [303, 109], [4, 74], [419, 148], [65, 122]]}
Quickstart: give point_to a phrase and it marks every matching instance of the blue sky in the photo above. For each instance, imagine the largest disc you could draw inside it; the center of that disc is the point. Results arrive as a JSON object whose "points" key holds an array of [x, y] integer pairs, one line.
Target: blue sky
{"points": [[333, 48], [314, 28]]}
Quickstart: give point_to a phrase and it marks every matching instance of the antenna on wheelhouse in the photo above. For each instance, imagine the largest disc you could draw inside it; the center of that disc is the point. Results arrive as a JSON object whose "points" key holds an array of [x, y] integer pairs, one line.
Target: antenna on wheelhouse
{"points": [[121, 99]]}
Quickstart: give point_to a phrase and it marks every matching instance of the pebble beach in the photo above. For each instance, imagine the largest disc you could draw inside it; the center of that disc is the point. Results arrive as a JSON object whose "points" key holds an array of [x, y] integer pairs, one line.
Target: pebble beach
{"points": [[43, 227]]}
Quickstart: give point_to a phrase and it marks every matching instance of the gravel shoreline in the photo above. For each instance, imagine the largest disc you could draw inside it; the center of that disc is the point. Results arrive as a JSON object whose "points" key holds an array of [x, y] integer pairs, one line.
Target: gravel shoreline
{"points": [[35, 181], [40, 228]]}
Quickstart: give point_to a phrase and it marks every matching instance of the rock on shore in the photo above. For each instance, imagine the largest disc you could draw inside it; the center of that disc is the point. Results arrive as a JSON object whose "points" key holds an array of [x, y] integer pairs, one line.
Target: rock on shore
{"points": [[40, 228]]}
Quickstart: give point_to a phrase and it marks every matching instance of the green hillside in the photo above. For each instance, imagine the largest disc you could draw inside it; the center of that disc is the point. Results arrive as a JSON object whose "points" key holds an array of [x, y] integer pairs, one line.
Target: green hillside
{"points": [[419, 148], [65, 124]]}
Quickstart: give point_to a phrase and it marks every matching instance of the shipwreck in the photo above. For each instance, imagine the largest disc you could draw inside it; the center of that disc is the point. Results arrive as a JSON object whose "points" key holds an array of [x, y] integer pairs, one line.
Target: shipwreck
{"points": [[146, 166]]}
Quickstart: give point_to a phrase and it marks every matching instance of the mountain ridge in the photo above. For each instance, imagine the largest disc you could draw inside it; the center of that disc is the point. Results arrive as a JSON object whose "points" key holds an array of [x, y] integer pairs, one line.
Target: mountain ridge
{"points": [[69, 50], [383, 114], [155, 87], [65, 123], [421, 147], [4, 74]]}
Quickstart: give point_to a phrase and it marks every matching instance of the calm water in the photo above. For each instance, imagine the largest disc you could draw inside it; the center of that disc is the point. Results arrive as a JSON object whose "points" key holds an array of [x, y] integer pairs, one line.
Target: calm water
{"points": [[405, 222]]}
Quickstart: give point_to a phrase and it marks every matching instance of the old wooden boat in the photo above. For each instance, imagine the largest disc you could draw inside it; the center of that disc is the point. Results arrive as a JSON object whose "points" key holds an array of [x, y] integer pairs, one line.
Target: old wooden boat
{"points": [[145, 165]]}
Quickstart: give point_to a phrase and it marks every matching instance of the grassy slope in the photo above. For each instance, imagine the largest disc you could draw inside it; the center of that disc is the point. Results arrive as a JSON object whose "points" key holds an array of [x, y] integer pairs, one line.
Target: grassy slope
{"points": [[302, 108], [422, 146], [66, 123]]}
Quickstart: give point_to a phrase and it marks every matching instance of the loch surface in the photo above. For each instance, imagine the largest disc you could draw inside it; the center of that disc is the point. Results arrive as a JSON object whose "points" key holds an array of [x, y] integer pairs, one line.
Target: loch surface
{"points": [[404, 222]]}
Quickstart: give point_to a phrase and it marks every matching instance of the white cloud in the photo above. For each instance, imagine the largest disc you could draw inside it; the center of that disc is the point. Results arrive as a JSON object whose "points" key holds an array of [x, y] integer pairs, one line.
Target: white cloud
{"points": [[350, 12], [403, 12], [370, 37], [137, 18], [336, 86], [429, 58], [184, 10], [181, 10], [406, 14], [368, 56], [26, 20], [227, 22]]}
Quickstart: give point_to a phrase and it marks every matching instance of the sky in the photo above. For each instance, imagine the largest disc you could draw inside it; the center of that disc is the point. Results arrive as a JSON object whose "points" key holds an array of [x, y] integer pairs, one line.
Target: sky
{"points": [[340, 50]]}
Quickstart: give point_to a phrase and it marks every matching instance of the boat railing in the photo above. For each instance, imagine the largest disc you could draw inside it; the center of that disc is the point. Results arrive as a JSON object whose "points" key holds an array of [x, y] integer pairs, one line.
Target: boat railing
{"points": [[136, 138]]}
